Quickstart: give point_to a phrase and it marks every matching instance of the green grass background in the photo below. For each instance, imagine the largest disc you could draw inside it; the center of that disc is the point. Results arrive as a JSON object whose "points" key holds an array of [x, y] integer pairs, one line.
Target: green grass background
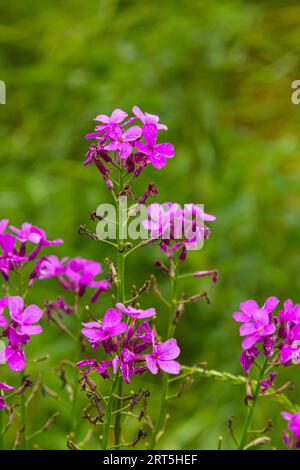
{"points": [[219, 73]]}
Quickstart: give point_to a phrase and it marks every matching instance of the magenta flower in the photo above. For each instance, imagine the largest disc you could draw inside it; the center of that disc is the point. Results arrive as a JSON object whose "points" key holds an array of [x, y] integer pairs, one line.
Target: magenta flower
{"points": [[136, 313], [267, 383], [111, 325], [147, 118], [14, 353], [157, 154], [25, 319], [258, 322], [8, 388], [30, 233], [81, 273], [294, 427], [123, 141], [48, 267], [258, 328], [163, 356], [248, 357], [8, 257], [112, 122]]}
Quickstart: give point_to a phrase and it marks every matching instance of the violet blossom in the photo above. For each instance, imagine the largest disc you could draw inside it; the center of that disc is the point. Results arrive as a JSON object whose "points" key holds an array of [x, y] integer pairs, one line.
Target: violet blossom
{"points": [[294, 427]]}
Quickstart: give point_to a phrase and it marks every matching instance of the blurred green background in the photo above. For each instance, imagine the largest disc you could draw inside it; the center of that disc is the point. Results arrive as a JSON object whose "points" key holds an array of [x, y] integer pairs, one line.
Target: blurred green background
{"points": [[219, 73]]}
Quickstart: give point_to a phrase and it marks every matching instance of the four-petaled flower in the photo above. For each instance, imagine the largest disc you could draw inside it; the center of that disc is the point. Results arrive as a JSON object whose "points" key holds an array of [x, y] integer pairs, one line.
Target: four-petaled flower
{"points": [[111, 325], [157, 154], [163, 356]]}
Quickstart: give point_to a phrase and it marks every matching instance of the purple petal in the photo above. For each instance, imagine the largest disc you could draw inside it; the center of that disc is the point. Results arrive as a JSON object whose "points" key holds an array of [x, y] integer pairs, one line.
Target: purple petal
{"points": [[168, 350], [31, 329], [270, 304], [15, 307], [150, 134], [132, 134], [249, 341], [125, 150], [172, 367], [249, 306], [111, 318], [32, 314], [15, 358], [248, 329], [7, 242], [167, 150], [118, 116], [151, 363]]}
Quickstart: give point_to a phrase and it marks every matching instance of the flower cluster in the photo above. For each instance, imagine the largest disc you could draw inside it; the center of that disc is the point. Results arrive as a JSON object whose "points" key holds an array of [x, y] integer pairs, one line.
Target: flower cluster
{"points": [[75, 275], [14, 249], [18, 327], [180, 229], [131, 140], [132, 345], [277, 333]]}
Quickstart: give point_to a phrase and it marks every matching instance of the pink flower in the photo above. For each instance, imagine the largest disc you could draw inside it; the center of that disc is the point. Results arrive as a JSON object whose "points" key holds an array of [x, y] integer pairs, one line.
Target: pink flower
{"points": [[156, 153], [257, 321], [14, 353], [110, 122], [147, 118], [136, 313], [123, 141], [162, 357], [25, 319], [30, 233], [8, 257], [112, 325]]}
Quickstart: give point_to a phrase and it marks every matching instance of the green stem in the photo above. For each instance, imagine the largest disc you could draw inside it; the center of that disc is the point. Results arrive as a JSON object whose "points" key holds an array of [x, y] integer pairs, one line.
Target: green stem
{"points": [[1, 429], [23, 422], [117, 384], [251, 408], [73, 424], [165, 385]]}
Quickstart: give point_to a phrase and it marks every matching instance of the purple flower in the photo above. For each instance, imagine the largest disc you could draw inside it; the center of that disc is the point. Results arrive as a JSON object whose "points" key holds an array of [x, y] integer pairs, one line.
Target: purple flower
{"points": [[112, 122], [8, 257], [4, 386], [82, 272], [248, 358], [14, 353], [123, 141], [147, 118], [136, 313], [157, 154], [111, 325], [293, 426], [25, 319], [163, 356], [258, 322], [267, 383]]}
